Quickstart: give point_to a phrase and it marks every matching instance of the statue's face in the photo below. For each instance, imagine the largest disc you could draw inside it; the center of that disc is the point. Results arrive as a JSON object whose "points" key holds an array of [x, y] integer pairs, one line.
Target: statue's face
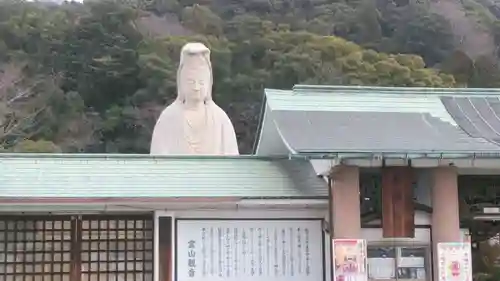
{"points": [[195, 81]]}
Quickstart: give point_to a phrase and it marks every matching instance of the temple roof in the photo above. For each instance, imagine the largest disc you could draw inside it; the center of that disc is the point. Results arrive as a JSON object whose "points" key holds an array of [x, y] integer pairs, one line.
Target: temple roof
{"points": [[82, 177], [335, 119]]}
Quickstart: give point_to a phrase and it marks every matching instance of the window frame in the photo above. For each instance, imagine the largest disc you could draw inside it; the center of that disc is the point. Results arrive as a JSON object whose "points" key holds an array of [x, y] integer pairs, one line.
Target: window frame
{"points": [[397, 246]]}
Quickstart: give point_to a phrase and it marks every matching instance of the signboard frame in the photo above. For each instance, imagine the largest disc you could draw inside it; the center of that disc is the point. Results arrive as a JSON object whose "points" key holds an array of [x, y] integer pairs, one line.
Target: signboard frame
{"points": [[321, 223], [444, 249], [352, 245]]}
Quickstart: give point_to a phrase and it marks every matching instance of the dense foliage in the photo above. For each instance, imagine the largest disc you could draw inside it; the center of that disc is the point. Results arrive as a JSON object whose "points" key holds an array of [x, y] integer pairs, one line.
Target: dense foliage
{"points": [[93, 77]]}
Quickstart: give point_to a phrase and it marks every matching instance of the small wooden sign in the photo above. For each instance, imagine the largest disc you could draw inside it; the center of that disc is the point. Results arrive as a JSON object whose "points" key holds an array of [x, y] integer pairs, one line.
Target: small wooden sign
{"points": [[398, 210]]}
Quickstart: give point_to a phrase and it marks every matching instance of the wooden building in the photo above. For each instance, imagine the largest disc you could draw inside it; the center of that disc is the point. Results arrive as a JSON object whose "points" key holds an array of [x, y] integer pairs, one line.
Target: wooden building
{"points": [[380, 164]]}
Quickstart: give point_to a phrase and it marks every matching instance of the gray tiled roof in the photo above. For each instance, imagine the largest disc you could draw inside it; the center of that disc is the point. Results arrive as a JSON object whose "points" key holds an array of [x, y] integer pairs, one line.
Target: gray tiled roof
{"points": [[362, 119], [478, 116], [373, 131]]}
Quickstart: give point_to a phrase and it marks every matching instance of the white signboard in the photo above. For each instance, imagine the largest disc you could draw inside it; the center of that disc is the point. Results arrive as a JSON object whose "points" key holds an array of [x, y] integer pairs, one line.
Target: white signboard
{"points": [[248, 250]]}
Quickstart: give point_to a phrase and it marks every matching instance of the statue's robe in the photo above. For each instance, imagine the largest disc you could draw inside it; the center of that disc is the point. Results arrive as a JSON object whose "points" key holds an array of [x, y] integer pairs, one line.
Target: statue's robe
{"points": [[170, 134]]}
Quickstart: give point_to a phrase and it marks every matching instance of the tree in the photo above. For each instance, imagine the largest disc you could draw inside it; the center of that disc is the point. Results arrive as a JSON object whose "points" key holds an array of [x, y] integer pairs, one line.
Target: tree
{"points": [[202, 20], [21, 108], [485, 73], [97, 84], [41, 146], [460, 66], [417, 31]]}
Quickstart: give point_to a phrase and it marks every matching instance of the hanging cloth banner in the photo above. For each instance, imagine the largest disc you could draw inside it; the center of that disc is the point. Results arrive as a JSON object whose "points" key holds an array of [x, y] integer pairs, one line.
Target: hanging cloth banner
{"points": [[454, 261], [350, 260]]}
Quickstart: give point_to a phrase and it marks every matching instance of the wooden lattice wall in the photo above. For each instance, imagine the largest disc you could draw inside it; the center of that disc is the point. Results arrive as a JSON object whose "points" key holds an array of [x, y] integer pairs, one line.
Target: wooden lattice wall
{"points": [[76, 248]]}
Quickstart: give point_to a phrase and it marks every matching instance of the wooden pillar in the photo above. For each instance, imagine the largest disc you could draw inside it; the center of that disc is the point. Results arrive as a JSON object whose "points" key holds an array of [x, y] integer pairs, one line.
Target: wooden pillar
{"points": [[76, 246], [165, 248], [398, 212]]}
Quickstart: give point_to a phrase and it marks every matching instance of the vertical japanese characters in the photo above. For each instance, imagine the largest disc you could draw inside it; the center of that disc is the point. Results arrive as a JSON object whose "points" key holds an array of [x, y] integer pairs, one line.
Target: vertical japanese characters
{"points": [[192, 257], [229, 252]]}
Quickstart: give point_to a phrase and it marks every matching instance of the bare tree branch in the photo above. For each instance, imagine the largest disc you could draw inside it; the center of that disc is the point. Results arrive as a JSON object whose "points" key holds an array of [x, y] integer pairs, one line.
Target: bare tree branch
{"points": [[21, 104]]}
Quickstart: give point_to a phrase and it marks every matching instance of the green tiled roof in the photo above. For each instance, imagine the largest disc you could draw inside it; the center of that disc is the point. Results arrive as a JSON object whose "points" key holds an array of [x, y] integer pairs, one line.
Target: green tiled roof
{"points": [[130, 176]]}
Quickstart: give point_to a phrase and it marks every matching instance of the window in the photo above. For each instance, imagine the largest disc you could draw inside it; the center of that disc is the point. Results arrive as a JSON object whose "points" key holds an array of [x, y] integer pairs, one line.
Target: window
{"points": [[117, 248], [33, 249], [394, 262], [71, 248], [411, 263], [381, 263]]}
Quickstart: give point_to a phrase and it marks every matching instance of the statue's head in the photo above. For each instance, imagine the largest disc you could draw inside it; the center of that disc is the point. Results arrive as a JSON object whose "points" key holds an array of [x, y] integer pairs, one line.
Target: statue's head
{"points": [[194, 76]]}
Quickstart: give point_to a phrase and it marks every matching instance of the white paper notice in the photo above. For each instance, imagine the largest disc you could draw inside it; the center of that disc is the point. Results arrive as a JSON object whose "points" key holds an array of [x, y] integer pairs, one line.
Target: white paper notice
{"points": [[454, 260], [248, 250], [381, 268]]}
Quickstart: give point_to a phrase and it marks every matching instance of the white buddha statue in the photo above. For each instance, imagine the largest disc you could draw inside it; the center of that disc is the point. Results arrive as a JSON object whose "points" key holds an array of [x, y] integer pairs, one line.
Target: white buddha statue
{"points": [[193, 123]]}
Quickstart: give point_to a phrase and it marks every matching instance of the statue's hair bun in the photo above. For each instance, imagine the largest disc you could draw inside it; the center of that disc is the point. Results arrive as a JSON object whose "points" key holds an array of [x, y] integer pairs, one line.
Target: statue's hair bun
{"points": [[192, 49]]}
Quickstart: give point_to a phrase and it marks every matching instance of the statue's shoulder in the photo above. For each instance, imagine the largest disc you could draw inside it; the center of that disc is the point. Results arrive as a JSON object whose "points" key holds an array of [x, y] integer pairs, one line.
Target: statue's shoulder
{"points": [[170, 110], [219, 111], [169, 113]]}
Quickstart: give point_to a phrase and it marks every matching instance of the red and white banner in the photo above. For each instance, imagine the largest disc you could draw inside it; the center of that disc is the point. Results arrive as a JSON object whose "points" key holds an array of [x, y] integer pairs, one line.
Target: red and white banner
{"points": [[454, 261], [350, 260]]}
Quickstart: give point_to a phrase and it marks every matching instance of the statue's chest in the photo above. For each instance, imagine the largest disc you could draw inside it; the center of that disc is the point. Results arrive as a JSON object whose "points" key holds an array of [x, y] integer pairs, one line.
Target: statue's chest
{"points": [[196, 122], [198, 132]]}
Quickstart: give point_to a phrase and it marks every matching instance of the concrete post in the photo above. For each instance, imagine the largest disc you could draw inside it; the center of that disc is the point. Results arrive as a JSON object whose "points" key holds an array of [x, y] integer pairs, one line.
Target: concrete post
{"points": [[346, 206], [445, 206]]}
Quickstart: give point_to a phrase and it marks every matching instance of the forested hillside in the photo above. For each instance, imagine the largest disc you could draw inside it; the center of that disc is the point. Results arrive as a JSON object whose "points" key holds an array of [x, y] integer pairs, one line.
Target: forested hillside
{"points": [[93, 77]]}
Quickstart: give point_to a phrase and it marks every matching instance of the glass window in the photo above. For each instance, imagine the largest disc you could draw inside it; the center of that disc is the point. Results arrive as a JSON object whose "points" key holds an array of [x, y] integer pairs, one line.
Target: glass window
{"points": [[411, 263], [399, 263], [381, 263]]}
